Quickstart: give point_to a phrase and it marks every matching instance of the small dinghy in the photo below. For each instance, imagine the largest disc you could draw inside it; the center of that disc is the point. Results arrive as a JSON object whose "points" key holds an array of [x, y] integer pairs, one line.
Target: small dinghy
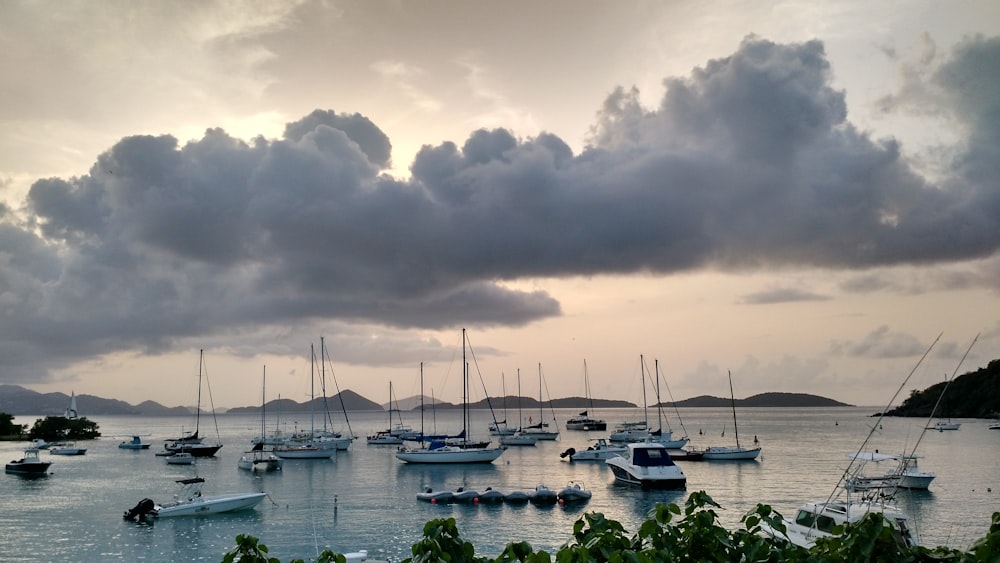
{"points": [[464, 495], [543, 495], [491, 495], [430, 495], [574, 492], [516, 497]]}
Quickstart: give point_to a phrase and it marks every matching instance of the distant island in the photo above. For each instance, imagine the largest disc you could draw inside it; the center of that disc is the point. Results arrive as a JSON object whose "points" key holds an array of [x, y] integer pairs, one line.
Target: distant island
{"points": [[17, 400]]}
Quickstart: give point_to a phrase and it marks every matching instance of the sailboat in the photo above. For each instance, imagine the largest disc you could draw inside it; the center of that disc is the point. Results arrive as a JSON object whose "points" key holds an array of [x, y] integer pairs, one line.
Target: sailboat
{"points": [[327, 434], [665, 437], [539, 431], [634, 431], [71, 412], [257, 458], [731, 453], [437, 451], [304, 446], [501, 428], [192, 443], [386, 437], [583, 421], [518, 438]]}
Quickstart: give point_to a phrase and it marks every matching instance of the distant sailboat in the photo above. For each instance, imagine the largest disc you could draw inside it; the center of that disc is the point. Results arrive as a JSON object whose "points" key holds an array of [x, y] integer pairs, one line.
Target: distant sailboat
{"points": [[731, 453], [71, 412]]}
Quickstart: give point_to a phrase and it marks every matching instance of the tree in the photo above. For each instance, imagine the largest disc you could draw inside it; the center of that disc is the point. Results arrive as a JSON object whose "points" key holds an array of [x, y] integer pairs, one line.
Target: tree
{"points": [[54, 428], [7, 426]]}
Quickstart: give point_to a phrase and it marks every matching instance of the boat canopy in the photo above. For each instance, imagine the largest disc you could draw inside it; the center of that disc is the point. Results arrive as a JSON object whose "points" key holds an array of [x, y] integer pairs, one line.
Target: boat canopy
{"points": [[651, 457]]}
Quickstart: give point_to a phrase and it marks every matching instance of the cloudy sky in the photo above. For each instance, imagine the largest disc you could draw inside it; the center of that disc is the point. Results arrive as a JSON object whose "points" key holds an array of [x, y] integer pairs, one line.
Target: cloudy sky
{"points": [[805, 194]]}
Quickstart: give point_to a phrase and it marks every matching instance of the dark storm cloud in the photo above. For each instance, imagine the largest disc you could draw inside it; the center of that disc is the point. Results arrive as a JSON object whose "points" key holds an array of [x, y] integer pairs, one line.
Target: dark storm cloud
{"points": [[781, 295], [748, 162]]}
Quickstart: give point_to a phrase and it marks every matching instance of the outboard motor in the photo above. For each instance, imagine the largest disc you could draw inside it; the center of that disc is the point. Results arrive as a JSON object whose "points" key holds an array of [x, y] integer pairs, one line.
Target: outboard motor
{"points": [[568, 453], [139, 511]]}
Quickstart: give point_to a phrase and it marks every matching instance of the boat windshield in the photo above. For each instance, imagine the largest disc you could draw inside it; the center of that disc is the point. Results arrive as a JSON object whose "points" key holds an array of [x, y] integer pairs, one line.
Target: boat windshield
{"points": [[651, 457]]}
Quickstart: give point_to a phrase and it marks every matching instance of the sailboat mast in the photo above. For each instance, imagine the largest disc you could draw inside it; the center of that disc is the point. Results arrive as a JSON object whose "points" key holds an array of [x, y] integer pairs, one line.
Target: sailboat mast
{"points": [[312, 392], [197, 414], [642, 376], [520, 418], [659, 409], [732, 397], [465, 391]]}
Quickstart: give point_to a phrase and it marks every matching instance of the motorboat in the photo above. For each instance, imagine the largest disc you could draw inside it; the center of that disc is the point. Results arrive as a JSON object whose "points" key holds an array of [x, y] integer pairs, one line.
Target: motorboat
{"points": [[31, 464], [181, 458], [260, 461], [574, 491], [543, 495], [432, 496], [942, 425], [819, 519], [599, 451], [648, 465], [39, 444], [135, 443], [67, 449], [191, 502], [994, 426], [906, 474]]}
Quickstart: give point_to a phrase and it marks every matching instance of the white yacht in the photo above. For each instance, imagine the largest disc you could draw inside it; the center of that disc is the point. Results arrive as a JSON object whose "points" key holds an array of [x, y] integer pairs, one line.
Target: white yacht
{"points": [[648, 465]]}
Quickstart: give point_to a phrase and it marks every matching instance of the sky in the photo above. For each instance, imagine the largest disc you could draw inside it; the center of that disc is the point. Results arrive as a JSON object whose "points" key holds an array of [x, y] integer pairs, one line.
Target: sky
{"points": [[805, 195]]}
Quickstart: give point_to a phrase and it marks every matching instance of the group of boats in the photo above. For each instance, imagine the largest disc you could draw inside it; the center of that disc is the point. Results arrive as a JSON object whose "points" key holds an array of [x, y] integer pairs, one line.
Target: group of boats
{"points": [[573, 492]]}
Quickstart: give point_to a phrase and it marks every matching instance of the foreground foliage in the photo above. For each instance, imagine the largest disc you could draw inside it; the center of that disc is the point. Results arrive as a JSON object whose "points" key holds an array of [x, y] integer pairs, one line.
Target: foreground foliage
{"points": [[7, 426], [672, 535]]}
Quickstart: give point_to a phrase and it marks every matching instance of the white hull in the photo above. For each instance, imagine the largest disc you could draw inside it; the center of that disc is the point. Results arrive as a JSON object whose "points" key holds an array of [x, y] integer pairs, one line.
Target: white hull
{"points": [[943, 425], [306, 452], [727, 453], [67, 451], [649, 466], [541, 434], [817, 520], [210, 505], [518, 440], [449, 454]]}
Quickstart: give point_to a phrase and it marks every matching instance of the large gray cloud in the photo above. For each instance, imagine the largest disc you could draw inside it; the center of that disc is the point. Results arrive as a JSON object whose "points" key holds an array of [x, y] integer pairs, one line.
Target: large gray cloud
{"points": [[748, 162]]}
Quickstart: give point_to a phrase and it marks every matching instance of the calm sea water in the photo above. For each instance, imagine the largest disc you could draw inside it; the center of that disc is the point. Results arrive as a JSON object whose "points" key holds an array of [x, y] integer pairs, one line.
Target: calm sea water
{"points": [[365, 499]]}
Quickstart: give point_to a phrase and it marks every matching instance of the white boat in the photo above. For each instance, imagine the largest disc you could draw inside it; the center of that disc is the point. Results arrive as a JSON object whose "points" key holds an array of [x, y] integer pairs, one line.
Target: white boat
{"points": [[180, 458], [135, 443], [193, 443], [628, 432], [191, 502], [648, 465], [30, 464], [541, 430], [67, 449], [599, 451], [906, 474], [39, 444], [819, 519], [387, 437], [584, 421], [259, 459], [731, 453], [306, 446], [994, 426], [943, 425], [439, 452], [574, 491], [518, 439]]}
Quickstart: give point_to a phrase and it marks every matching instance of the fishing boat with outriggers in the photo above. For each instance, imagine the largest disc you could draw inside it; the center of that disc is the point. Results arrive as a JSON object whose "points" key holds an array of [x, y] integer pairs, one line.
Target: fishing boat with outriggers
{"points": [[437, 451]]}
